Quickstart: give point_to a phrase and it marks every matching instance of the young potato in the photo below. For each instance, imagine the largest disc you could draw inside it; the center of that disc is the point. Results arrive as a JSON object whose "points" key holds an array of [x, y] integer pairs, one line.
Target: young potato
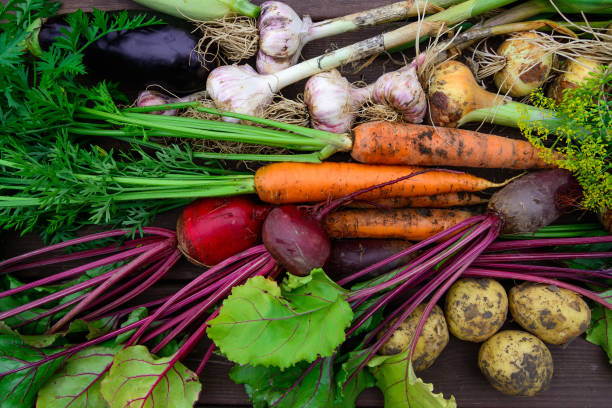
{"points": [[475, 309], [554, 314], [434, 337], [516, 363]]}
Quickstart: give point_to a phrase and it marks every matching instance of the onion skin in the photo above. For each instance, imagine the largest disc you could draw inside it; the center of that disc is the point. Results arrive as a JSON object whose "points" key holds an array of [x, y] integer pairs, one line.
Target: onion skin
{"points": [[210, 230], [352, 255], [531, 201], [575, 73], [527, 66], [454, 92], [296, 239]]}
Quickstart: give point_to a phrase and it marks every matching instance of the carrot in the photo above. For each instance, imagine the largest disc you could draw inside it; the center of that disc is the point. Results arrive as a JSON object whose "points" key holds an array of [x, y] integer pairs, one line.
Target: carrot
{"points": [[395, 143], [284, 183], [432, 201], [408, 223]]}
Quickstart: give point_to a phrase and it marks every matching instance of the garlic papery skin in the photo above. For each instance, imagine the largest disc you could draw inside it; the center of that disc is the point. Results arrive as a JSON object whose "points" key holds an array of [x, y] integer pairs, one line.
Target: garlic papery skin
{"points": [[332, 101], [268, 65], [152, 98], [240, 89], [402, 91], [281, 33]]}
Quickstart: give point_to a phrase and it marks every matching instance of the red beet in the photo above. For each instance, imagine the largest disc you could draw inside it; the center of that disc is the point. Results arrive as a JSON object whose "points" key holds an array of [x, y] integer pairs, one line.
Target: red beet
{"points": [[296, 239], [213, 229]]}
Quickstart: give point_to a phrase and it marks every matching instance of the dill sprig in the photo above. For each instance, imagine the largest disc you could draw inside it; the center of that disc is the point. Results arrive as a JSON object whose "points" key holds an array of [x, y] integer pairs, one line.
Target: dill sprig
{"points": [[584, 136]]}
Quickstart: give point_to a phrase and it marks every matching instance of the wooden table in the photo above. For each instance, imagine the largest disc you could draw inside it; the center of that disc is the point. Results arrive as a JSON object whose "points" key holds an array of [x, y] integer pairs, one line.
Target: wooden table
{"points": [[582, 375]]}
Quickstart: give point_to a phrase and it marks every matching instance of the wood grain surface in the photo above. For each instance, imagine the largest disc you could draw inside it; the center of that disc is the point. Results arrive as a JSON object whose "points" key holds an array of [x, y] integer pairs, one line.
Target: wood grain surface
{"points": [[582, 375]]}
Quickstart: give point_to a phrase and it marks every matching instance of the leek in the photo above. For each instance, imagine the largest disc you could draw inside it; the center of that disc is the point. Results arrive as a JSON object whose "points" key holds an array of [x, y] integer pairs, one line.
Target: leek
{"points": [[202, 10]]}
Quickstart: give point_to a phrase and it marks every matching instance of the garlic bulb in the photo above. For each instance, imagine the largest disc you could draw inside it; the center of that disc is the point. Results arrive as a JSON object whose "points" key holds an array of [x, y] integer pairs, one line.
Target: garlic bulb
{"points": [[269, 65], [574, 74], [240, 89], [402, 91], [332, 101], [152, 98], [527, 65]]}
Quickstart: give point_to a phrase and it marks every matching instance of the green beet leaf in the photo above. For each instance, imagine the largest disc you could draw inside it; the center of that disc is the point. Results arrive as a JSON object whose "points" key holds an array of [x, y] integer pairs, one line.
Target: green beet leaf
{"points": [[18, 390], [132, 377], [600, 332], [37, 341], [289, 388], [401, 387], [136, 315], [77, 383], [261, 323], [347, 390]]}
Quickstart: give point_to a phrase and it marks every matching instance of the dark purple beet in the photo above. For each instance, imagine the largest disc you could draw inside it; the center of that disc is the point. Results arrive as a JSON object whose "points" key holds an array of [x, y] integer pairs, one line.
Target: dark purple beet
{"points": [[159, 54], [532, 201], [352, 255], [296, 239]]}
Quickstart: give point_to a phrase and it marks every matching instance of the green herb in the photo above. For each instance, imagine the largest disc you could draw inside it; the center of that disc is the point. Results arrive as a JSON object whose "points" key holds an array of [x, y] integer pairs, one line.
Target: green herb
{"points": [[583, 136], [300, 321]]}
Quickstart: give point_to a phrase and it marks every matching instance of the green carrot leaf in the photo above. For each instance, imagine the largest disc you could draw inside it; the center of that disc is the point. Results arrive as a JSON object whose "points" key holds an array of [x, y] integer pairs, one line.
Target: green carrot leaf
{"points": [[261, 323], [600, 331], [137, 379], [401, 387], [77, 383], [301, 386], [18, 390]]}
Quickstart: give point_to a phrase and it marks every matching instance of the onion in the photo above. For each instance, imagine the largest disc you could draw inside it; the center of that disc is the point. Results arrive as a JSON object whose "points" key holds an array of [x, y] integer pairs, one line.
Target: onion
{"points": [[453, 92], [574, 74], [527, 65]]}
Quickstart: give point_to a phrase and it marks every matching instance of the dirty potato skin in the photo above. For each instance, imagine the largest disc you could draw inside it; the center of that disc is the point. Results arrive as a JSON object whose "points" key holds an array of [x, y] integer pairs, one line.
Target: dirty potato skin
{"points": [[554, 314], [475, 309], [516, 363], [434, 337]]}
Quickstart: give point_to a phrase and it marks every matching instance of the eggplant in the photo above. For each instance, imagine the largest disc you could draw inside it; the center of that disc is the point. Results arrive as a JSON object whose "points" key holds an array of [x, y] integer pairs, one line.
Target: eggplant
{"points": [[349, 256], [162, 54]]}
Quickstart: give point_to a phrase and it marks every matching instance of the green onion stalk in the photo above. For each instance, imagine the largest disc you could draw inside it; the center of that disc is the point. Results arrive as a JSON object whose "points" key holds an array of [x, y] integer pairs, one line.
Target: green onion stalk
{"points": [[203, 10]]}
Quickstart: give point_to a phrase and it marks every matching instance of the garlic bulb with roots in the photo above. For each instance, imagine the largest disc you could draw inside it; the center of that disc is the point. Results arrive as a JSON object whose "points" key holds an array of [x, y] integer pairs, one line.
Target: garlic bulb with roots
{"points": [[240, 89], [332, 101], [283, 34]]}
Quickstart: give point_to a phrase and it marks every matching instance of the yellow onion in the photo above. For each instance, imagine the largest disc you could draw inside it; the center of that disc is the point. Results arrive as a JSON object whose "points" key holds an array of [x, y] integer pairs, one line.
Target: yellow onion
{"points": [[574, 73], [527, 65], [454, 92]]}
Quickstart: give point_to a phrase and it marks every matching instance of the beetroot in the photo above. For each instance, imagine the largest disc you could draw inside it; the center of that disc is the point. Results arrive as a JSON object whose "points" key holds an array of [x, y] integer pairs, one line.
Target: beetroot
{"points": [[296, 239], [213, 229], [532, 201]]}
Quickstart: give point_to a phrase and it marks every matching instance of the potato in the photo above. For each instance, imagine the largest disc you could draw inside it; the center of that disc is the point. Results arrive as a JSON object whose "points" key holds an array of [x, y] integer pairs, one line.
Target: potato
{"points": [[516, 363], [433, 338], [475, 309], [554, 314]]}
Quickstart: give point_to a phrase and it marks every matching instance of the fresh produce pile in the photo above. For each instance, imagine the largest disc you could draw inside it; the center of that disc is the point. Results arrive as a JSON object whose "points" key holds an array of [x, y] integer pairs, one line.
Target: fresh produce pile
{"points": [[317, 278]]}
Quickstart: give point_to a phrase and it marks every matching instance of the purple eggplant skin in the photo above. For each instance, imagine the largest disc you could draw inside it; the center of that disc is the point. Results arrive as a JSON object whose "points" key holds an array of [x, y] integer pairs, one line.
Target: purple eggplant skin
{"points": [[349, 256], [161, 54], [532, 201]]}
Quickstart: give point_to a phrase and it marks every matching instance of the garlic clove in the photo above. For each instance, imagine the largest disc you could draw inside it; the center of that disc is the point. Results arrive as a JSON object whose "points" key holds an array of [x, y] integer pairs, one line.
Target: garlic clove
{"points": [[240, 89], [152, 98], [402, 90], [280, 30]]}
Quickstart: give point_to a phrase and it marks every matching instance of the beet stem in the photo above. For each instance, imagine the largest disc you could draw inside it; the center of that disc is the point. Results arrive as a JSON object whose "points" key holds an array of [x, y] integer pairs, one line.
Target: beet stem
{"points": [[537, 243], [543, 256], [413, 248], [541, 268], [205, 359]]}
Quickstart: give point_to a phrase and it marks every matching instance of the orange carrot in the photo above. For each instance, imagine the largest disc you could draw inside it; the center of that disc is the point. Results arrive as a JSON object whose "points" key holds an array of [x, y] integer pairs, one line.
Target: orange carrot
{"points": [[432, 201], [395, 143], [408, 223], [284, 183]]}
